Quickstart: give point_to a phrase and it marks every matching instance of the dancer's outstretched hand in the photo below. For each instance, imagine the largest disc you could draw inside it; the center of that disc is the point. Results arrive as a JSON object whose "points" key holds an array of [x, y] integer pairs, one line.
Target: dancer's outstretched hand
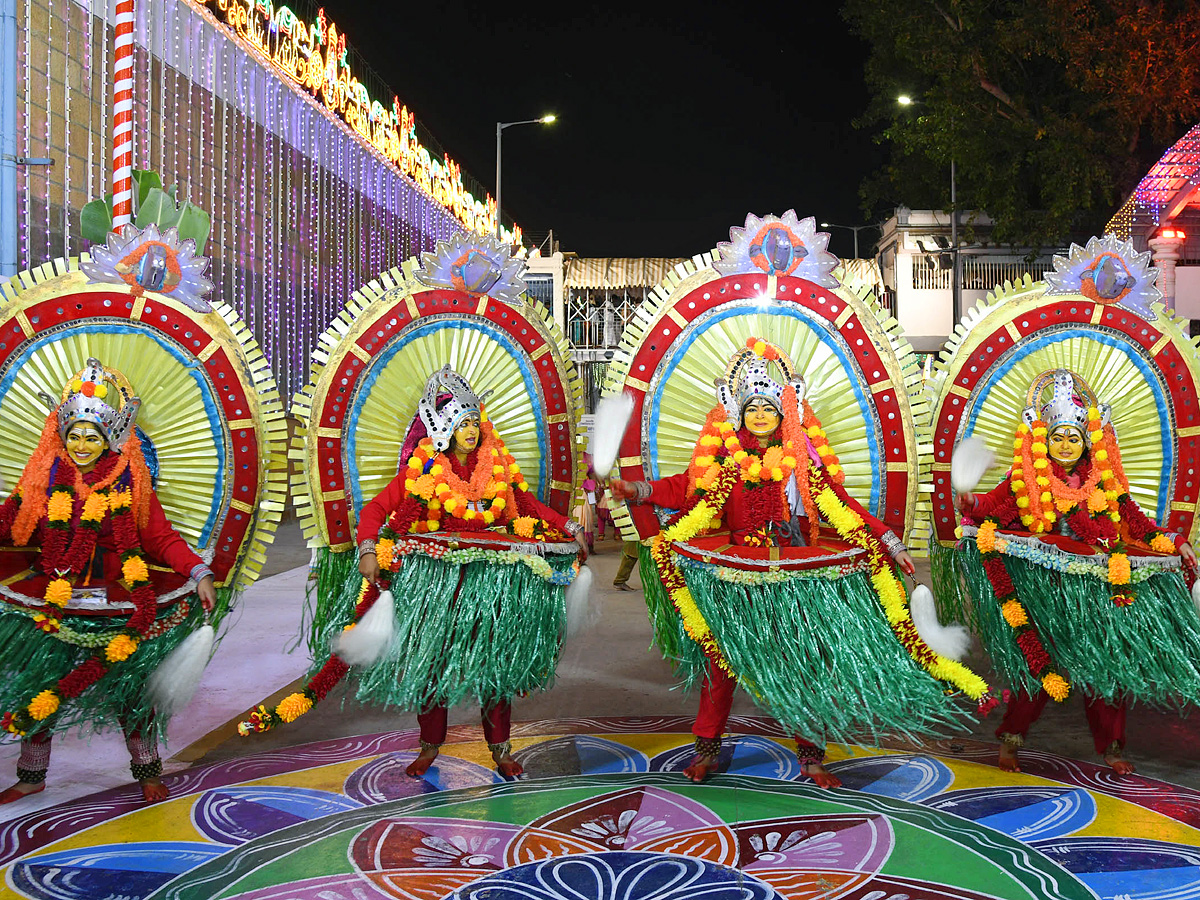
{"points": [[621, 490], [207, 592], [368, 567], [905, 562], [1188, 554], [581, 543], [965, 503]]}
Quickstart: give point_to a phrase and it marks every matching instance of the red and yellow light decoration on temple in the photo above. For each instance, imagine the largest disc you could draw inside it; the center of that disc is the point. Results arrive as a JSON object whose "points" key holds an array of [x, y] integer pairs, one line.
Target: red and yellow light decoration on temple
{"points": [[314, 56]]}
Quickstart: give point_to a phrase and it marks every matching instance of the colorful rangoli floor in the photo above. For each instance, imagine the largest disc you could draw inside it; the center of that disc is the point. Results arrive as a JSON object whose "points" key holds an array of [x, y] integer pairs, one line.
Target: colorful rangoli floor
{"points": [[604, 815]]}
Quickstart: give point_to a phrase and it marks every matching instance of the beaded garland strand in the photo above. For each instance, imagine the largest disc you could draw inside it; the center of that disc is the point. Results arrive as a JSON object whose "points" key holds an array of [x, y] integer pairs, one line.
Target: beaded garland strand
{"points": [[66, 552]]}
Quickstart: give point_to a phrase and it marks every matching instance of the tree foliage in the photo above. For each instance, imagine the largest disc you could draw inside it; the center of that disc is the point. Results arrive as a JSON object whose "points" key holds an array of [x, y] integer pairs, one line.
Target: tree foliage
{"points": [[1051, 109]]}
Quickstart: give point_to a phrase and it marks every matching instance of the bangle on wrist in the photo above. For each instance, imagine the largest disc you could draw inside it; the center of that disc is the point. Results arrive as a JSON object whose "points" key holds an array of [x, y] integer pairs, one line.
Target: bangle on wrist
{"points": [[365, 547]]}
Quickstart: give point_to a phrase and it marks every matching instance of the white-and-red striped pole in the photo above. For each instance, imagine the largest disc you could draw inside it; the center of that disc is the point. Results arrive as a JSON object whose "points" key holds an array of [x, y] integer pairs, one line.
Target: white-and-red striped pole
{"points": [[123, 117]]}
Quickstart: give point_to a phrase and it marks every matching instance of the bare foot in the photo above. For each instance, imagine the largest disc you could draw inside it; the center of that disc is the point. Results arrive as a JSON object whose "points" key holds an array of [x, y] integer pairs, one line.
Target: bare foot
{"points": [[153, 790], [1119, 763], [822, 776], [1008, 758], [19, 790], [509, 767], [701, 767], [421, 764]]}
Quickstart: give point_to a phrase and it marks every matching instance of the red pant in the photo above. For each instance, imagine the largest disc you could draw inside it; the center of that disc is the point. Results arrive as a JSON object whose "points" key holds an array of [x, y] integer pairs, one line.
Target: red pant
{"points": [[1107, 722], [496, 723], [716, 699]]}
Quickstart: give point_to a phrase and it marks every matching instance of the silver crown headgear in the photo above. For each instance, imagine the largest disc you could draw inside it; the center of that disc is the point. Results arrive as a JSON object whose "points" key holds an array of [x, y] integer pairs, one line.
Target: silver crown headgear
{"points": [[102, 397], [751, 379], [463, 402], [1068, 404]]}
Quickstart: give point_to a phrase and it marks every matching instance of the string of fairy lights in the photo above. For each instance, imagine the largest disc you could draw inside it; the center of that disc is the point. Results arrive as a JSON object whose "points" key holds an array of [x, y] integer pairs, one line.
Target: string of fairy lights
{"points": [[303, 210]]}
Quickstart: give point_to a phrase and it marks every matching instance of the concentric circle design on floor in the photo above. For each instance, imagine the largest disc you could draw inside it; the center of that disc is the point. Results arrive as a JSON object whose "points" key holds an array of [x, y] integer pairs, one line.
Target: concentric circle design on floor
{"points": [[606, 814]]}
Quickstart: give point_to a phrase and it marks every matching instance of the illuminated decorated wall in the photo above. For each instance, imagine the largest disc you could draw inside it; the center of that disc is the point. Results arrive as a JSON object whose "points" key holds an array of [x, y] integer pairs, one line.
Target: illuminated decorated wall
{"points": [[305, 206]]}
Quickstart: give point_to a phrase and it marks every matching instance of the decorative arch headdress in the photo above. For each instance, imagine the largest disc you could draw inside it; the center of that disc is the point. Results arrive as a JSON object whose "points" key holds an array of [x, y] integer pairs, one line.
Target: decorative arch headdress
{"points": [[103, 397], [1068, 403], [458, 402], [750, 375]]}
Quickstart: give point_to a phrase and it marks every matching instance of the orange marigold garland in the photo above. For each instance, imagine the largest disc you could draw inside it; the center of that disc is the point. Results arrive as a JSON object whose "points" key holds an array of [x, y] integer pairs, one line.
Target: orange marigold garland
{"points": [[67, 551], [430, 478], [1025, 634]]}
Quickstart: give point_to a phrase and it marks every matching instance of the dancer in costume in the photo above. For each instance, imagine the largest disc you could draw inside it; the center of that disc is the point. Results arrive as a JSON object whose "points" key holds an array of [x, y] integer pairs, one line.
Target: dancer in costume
{"points": [[1061, 605], [812, 644], [446, 582], [86, 503], [461, 479]]}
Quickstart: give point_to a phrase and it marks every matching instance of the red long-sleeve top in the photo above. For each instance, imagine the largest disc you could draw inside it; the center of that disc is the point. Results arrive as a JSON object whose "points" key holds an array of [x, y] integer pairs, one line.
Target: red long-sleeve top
{"points": [[395, 498], [672, 492], [159, 541], [1001, 504]]}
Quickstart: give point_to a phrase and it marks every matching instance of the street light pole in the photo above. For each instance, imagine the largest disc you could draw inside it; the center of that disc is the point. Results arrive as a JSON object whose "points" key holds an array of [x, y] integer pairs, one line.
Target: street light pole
{"points": [[500, 126], [855, 228], [955, 281], [955, 285]]}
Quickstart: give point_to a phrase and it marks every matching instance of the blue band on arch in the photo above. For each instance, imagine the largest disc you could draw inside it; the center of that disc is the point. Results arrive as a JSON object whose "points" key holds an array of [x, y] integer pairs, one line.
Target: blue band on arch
{"points": [[380, 362], [818, 327], [188, 362], [1149, 372]]}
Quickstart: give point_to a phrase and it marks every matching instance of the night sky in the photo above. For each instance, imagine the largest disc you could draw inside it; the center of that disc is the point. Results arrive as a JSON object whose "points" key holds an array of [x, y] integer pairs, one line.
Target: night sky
{"points": [[672, 125]]}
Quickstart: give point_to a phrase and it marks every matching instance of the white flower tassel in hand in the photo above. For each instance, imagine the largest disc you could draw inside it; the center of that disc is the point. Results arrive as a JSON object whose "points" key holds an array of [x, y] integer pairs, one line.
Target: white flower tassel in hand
{"points": [[1196, 594], [608, 428], [970, 462], [583, 604], [950, 641], [371, 635], [175, 680]]}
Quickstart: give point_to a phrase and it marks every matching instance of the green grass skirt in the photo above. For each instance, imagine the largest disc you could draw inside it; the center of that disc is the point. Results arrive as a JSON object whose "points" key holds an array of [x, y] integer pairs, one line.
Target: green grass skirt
{"points": [[481, 631], [1147, 651], [816, 653], [32, 661]]}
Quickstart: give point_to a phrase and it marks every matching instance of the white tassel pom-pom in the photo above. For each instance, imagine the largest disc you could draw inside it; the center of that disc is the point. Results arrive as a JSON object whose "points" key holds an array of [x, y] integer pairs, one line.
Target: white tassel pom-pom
{"points": [[367, 641], [583, 604], [608, 427], [175, 680], [950, 641], [970, 462], [1196, 594]]}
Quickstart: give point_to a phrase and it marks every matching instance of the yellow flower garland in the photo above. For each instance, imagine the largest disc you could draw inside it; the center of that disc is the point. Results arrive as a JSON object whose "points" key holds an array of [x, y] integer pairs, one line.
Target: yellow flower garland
{"points": [[60, 507], [43, 705], [95, 507], [691, 524], [1054, 685], [120, 648], [58, 592], [891, 592], [293, 706]]}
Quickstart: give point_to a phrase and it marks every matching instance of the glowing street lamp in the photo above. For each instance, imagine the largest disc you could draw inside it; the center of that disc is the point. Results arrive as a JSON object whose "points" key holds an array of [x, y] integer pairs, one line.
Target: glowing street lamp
{"points": [[955, 290], [855, 228], [500, 126]]}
